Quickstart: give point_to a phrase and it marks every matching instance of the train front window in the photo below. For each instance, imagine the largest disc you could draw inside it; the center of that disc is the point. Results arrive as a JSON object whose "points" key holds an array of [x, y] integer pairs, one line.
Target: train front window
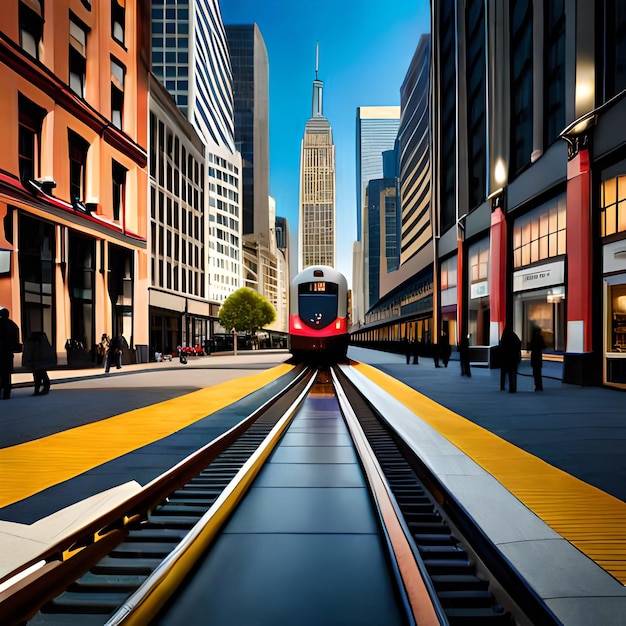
{"points": [[317, 303]]}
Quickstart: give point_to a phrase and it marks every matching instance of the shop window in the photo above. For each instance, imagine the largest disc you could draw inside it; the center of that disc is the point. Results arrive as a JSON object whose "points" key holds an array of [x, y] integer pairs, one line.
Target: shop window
{"points": [[617, 319], [78, 149], [119, 190], [613, 210], [540, 234], [118, 20], [29, 138], [31, 27], [118, 73], [78, 57]]}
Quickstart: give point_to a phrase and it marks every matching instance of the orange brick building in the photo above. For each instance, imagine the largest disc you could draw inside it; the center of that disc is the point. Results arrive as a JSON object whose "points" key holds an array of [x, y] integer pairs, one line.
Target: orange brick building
{"points": [[73, 177]]}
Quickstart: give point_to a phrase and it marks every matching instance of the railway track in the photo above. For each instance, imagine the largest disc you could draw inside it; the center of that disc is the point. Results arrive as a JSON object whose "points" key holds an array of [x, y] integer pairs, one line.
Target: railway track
{"points": [[116, 571]]}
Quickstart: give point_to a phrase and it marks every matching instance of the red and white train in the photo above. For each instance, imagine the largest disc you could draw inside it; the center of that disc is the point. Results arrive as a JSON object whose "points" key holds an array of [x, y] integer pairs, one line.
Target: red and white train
{"points": [[318, 315]]}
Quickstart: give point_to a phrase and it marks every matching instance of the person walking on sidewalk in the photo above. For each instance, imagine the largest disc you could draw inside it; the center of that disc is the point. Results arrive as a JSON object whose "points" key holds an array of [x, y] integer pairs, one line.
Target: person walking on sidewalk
{"points": [[537, 345], [114, 354], [38, 357], [415, 351], [464, 357], [9, 345], [510, 356], [445, 349], [406, 348]]}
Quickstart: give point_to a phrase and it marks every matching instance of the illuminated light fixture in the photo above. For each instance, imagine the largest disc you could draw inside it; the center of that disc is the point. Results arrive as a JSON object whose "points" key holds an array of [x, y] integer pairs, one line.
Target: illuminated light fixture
{"points": [[499, 173], [297, 325], [338, 325]]}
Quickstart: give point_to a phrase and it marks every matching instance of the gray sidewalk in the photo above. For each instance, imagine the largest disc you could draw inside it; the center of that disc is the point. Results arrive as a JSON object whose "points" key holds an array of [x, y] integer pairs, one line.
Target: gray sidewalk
{"points": [[581, 430]]}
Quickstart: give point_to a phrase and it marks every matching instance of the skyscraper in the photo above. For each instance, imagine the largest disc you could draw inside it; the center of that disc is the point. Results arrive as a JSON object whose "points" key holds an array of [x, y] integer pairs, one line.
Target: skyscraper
{"points": [[248, 57], [316, 224], [190, 57], [376, 132]]}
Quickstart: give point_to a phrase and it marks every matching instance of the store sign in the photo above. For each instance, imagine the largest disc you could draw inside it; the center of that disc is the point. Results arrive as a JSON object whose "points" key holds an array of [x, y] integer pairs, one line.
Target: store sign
{"points": [[478, 290], [539, 276]]}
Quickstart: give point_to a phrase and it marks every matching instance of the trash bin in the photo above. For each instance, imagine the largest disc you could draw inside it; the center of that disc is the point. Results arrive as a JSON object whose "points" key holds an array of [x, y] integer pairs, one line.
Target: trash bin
{"points": [[141, 353]]}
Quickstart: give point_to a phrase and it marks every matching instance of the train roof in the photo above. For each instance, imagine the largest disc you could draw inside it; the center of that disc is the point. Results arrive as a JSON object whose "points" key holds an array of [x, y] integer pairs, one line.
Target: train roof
{"points": [[317, 272]]}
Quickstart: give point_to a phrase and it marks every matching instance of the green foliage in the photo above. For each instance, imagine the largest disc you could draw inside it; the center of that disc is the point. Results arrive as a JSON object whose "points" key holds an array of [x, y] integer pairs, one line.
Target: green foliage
{"points": [[246, 310]]}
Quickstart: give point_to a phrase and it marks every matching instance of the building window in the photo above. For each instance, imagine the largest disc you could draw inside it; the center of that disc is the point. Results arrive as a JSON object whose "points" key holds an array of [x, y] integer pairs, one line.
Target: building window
{"points": [[119, 190], [118, 20], [78, 149], [613, 37], [78, 57], [554, 75], [476, 96], [29, 138], [540, 234], [31, 26], [521, 84], [118, 72], [613, 209]]}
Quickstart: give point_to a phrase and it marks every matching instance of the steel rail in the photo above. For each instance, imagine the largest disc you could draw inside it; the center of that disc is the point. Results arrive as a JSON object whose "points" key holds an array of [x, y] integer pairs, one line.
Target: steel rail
{"points": [[145, 603], [33, 583], [424, 606]]}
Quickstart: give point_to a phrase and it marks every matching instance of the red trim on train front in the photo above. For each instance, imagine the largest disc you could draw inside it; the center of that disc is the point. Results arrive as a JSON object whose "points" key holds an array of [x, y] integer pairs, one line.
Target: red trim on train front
{"points": [[297, 327]]}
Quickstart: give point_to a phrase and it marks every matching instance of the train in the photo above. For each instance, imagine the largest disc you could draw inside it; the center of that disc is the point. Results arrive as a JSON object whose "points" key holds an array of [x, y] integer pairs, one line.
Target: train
{"points": [[318, 314]]}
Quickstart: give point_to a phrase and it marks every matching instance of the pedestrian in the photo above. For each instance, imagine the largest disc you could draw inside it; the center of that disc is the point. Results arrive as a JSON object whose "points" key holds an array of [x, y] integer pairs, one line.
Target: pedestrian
{"points": [[39, 356], [436, 353], [445, 349], [415, 351], [406, 348], [464, 356], [114, 353], [102, 348], [537, 345], [510, 356], [9, 345]]}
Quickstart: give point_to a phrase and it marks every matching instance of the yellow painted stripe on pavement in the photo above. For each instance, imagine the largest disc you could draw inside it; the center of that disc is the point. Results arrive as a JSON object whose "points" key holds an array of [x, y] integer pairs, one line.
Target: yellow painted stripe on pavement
{"points": [[589, 518], [31, 467]]}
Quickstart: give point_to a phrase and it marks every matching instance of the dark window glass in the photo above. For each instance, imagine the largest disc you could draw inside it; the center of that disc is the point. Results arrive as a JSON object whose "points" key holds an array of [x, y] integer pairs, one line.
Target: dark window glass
{"points": [[521, 84], [317, 304], [118, 21], [78, 148], [29, 138], [614, 41], [476, 100], [554, 75], [119, 190], [31, 27], [78, 58]]}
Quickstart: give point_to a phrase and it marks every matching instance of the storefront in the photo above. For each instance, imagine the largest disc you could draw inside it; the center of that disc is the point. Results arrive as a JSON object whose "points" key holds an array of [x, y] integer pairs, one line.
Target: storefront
{"points": [[539, 300], [614, 269], [478, 306]]}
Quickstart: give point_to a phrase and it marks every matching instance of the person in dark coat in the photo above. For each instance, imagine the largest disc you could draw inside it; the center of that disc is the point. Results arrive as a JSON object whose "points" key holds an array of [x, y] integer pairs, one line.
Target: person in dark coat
{"points": [[464, 356], [537, 346], [9, 345], [114, 353], [415, 351], [406, 348], [38, 357], [510, 356], [444, 348]]}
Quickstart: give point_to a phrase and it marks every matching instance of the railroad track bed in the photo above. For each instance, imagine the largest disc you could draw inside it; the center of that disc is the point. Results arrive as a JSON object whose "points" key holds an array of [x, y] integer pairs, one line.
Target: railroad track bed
{"points": [[429, 563]]}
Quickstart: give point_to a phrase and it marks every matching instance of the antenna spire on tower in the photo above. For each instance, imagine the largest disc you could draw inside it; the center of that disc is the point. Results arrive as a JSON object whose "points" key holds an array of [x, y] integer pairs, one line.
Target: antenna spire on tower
{"points": [[317, 57]]}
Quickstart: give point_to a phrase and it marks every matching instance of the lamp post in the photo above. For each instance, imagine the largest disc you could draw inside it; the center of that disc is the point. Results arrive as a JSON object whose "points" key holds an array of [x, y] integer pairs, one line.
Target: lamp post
{"points": [[235, 341]]}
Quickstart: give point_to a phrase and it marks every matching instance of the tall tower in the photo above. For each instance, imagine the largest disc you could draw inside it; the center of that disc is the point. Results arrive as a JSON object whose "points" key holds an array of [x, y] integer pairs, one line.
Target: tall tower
{"points": [[316, 223], [190, 57]]}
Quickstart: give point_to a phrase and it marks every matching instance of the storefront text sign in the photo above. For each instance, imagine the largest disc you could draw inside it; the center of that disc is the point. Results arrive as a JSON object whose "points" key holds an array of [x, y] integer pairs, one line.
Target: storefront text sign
{"points": [[539, 276]]}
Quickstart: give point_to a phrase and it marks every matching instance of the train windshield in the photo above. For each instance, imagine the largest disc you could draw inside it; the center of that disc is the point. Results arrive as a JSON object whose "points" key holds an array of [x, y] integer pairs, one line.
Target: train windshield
{"points": [[317, 303]]}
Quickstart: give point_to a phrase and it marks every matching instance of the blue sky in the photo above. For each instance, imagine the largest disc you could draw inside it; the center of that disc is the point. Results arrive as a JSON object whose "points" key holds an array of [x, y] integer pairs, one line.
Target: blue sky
{"points": [[365, 51]]}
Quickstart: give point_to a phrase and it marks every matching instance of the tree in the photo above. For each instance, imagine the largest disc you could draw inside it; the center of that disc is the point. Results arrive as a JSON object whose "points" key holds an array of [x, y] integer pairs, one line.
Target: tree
{"points": [[246, 310]]}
